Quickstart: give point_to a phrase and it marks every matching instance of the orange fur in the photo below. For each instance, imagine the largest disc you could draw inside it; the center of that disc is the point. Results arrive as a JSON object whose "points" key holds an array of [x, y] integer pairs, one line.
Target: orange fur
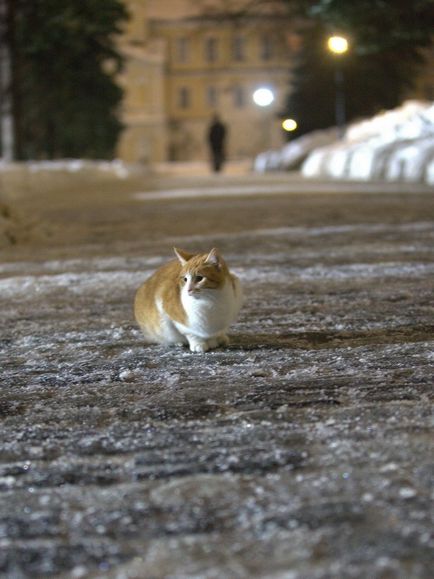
{"points": [[192, 299], [159, 285]]}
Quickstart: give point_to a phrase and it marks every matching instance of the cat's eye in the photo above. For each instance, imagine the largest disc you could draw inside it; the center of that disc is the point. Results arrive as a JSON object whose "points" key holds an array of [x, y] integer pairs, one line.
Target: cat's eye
{"points": [[185, 279], [198, 278]]}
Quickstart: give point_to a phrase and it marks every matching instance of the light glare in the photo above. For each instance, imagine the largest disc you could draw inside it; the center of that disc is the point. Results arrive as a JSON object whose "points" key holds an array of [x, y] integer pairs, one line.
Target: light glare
{"points": [[289, 125], [338, 44], [263, 97]]}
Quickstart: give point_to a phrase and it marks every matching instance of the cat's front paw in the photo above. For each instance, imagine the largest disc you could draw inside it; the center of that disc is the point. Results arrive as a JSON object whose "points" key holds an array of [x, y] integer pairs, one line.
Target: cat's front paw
{"points": [[199, 347]]}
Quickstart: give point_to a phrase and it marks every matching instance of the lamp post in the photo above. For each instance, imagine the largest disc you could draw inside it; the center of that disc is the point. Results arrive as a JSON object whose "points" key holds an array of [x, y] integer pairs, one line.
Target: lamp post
{"points": [[264, 97], [338, 45]]}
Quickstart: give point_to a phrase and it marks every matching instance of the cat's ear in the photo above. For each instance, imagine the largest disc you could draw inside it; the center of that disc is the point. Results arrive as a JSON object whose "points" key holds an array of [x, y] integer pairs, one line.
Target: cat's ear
{"points": [[182, 255], [214, 258]]}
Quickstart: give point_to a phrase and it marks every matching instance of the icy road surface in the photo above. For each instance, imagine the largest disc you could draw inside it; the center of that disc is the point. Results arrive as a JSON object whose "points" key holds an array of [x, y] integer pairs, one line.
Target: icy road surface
{"points": [[304, 450]]}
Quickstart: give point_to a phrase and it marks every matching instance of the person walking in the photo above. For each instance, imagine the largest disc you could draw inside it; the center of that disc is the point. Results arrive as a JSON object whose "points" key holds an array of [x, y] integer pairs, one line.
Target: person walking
{"points": [[216, 140]]}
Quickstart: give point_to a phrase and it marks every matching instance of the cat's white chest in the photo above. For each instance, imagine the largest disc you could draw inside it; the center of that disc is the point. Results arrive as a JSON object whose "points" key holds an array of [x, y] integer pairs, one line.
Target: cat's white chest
{"points": [[211, 311]]}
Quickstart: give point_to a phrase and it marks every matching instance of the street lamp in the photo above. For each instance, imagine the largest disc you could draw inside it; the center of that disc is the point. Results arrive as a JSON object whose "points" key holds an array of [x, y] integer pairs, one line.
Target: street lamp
{"points": [[264, 97], [289, 125], [338, 45]]}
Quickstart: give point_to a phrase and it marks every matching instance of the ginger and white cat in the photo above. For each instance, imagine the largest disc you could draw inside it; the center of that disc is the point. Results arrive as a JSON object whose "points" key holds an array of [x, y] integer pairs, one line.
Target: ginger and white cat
{"points": [[191, 300]]}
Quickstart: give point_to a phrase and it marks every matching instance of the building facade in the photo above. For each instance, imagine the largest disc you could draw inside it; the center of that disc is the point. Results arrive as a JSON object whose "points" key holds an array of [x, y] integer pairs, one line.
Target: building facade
{"points": [[183, 65], [144, 139]]}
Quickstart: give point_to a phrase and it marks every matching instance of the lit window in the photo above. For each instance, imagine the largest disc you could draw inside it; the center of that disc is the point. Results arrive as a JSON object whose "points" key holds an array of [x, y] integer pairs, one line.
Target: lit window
{"points": [[211, 49], [211, 96], [266, 47], [182, 50], [184, 97], [238, 97], [238, 48]]}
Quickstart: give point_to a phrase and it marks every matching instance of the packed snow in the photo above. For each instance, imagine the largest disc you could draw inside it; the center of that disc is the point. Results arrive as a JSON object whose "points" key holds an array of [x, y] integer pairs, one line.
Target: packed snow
{"points": [[396, 145], [301, 450]]}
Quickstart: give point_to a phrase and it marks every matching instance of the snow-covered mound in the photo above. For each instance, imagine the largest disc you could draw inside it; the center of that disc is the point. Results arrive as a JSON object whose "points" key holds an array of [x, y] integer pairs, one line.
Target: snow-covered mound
{"points": [[292, 155], [396, 145], [115, 167], [7, 225], [21, 180]]}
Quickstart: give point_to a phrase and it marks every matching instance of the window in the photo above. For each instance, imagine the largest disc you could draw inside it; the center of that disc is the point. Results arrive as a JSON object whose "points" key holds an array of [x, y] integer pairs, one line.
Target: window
{"points": [[182, 50], [211, 96], [184, 97], [238, 48], [266, 47], [211, 49], [238, 97]]}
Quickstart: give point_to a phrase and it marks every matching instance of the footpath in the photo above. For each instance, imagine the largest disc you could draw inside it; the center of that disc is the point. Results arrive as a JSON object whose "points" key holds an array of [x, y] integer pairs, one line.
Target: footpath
{"points": [[303, 450]]}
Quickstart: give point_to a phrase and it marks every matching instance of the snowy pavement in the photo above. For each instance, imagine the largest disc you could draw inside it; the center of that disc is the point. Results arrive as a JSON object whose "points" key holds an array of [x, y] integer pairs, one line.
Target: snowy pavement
{"points": [[303, 450]]}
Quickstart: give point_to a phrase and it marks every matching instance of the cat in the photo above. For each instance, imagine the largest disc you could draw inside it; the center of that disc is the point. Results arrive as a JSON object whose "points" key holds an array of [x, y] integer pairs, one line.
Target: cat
{"points": [[189, 301]]}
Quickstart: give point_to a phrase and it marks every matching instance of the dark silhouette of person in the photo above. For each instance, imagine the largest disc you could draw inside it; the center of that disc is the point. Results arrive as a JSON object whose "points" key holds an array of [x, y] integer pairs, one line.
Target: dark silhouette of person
{"points": [[216, 140]]}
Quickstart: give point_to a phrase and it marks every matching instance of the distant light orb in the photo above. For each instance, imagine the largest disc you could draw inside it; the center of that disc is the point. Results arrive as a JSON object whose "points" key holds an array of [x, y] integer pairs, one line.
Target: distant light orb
{"points": [[263, 97], [289, 125], [337, 44]]}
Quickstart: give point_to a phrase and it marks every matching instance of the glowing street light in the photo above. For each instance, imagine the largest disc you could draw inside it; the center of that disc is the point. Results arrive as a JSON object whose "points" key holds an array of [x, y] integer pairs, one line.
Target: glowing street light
{"points": [[338, 45], [263, 97], [289, 125]]}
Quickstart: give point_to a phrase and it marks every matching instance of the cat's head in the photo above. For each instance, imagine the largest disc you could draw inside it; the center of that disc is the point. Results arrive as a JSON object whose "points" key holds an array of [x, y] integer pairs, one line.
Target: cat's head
{"points": [[202, 272]]}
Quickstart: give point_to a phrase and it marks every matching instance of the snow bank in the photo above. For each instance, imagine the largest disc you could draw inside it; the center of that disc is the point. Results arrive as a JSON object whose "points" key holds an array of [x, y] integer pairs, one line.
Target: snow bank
{"points": [[117, 167], [395, 145], [6, 225], [20, 182], [294, 153]]}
